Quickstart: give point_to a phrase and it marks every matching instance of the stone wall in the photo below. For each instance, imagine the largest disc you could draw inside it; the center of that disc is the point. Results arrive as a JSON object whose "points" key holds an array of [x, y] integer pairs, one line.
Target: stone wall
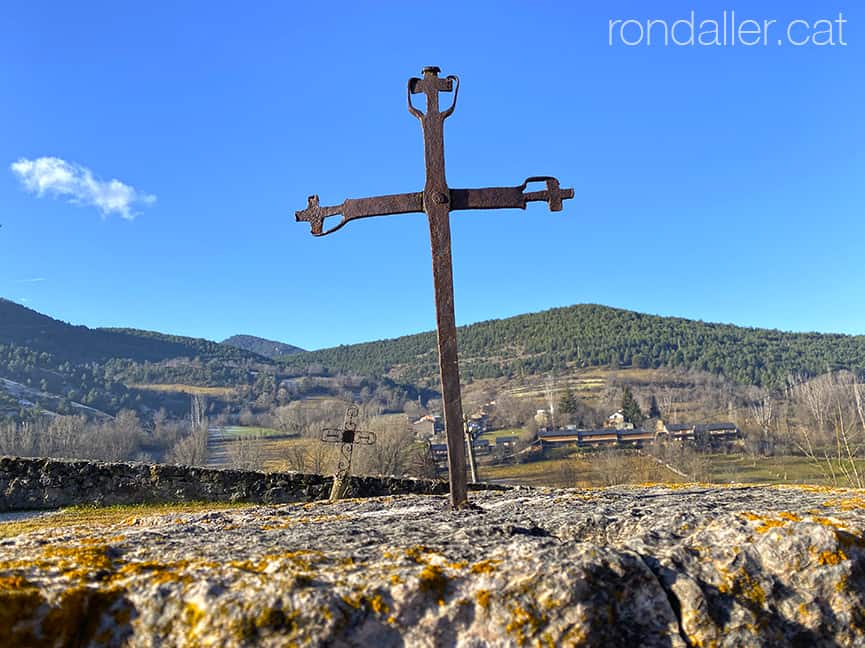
{"points": [[27, 484]]}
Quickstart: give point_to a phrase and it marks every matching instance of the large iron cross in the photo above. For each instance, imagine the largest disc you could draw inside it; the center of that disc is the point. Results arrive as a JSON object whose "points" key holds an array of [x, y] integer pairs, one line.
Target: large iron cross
{"points": [[438, 200]]}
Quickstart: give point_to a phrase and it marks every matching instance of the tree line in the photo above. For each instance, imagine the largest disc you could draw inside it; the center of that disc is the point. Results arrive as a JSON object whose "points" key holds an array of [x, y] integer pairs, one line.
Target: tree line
{"points": [[596, 336]]}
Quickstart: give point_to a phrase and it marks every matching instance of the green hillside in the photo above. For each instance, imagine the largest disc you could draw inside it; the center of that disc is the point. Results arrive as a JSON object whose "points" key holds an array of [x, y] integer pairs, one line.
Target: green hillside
{"points": [[67, 364], [589, 335], [21, 326], [261, 346]]}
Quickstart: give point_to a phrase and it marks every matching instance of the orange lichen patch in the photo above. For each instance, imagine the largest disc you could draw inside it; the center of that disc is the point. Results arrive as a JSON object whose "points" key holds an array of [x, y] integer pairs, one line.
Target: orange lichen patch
{"points": [[79, 561], [485, 566], [484, 597], [835, 524], [77, 617], [433, 580], [766, 523], [831, 557], [354, 600], [746, 589], [302, 559], [271, 619], [377, 604], [15, 582], [792, 517], [374, 603], [845, 503], [525, 622], [461, 564], [162, 572], [417, 553], [395, 579], [192, 617], [808, 488]]}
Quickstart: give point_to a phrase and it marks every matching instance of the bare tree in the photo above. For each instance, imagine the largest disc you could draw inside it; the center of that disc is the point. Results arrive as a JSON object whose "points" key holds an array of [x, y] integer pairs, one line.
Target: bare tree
{"points": [[550, 395], [391, 453], [190, 450], [832, 426], [764, 409]]}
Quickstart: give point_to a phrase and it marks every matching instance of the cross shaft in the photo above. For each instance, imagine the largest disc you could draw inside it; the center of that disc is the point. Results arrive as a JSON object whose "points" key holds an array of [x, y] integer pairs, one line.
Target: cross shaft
{"points": [[437, 200]]}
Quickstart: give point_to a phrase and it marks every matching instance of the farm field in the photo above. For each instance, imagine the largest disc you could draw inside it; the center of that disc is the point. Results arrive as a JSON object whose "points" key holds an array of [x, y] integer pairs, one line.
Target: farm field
{"points": [[89, 516], [603, 469], [195, 390]]}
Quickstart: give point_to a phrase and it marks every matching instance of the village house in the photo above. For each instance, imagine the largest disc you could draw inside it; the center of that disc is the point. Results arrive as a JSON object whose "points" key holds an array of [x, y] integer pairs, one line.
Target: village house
{"points": [[427, 427], [616, 421]]}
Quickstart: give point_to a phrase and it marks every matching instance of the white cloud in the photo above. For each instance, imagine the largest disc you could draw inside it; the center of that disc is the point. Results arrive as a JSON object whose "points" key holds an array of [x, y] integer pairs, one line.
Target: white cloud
{"points": [[51, 176]]}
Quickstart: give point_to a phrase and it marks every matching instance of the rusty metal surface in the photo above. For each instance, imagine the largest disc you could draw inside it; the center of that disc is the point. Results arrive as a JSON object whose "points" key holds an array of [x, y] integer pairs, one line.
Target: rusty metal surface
{"points": [[347, 437], [437, 200]]}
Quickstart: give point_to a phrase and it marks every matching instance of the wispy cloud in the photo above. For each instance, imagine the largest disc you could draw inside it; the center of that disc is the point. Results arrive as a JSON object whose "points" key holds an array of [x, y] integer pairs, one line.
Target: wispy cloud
{"points": [[31, 280], [51, 176]]}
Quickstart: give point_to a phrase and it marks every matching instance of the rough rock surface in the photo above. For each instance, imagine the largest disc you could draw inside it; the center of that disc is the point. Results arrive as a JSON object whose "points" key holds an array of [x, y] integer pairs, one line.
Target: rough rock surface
{"points": [[692, 566]]}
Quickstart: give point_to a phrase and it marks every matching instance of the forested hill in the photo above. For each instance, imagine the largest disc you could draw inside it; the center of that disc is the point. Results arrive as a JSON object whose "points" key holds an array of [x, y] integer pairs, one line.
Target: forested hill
{"points": [[262, 346], [592, 335], [23, 327]]}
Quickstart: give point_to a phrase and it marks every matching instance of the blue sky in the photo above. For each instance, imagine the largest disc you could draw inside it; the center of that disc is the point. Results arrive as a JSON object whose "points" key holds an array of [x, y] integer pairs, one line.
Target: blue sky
{"points": [[721, 183]]}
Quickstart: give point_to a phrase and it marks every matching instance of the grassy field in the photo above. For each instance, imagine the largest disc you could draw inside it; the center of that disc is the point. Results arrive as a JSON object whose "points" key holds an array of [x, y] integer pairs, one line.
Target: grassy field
{"points": [[495, 434], [602, 469], [220, 392], [241, 431], [779, 470], [89, 516]]}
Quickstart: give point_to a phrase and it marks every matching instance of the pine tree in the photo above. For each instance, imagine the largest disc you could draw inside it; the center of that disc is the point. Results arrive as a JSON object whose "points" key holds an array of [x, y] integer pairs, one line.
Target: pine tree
{"points": [[568, 403], [630, 408], [654, 410]]}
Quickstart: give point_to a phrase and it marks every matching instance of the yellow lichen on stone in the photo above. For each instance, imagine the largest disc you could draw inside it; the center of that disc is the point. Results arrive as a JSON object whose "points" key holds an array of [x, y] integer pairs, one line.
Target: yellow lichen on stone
{"points": [[525, 622], [792, 517], [767, 523], [14, 582], [824, 558], [484, 597], [745, 588], [433, 580], [77, 562], [18, 609], [488, 566], [378, 605], [845, 503], [417, 553], [192, 616]]}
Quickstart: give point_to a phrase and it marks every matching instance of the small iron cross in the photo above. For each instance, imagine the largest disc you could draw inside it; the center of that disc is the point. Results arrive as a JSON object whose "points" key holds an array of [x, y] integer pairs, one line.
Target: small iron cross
{"points": [[348, 436], [438, 200]]}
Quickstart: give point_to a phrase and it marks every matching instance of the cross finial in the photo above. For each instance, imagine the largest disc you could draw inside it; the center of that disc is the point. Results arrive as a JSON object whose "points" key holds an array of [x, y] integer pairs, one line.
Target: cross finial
{"points": [[431, 85]]}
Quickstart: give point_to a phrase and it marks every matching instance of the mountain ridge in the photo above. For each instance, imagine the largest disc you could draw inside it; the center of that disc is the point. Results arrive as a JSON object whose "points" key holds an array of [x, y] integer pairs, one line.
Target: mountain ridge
{"points": [[586, 335], [262, 346], [26, 327]]}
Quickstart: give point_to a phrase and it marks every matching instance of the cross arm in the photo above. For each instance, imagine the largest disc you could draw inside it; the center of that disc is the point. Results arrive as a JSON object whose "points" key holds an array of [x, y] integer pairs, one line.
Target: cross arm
{"points": [[515, 197], [355, 208]]}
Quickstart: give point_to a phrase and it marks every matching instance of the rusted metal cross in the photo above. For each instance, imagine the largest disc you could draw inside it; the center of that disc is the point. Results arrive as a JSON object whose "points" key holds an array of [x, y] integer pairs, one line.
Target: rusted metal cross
{"points": [[348, 437], [438, 200]]}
